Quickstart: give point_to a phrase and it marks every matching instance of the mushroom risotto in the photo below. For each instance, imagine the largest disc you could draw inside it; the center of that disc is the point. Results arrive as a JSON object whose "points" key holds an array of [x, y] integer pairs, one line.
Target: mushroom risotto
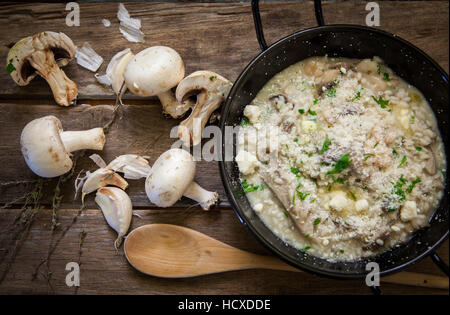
{"points": [[341, 158]]}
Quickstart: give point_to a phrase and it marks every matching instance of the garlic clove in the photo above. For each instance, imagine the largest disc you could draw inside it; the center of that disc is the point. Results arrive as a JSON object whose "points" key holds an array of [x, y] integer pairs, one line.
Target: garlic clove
{"points": [[100, 178], [131, 165], [117, 208]]}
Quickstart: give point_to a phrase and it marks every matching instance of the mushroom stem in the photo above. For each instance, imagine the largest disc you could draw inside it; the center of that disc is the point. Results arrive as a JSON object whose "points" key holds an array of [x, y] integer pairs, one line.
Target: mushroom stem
{"points": [[205, 198], [92, 139], [64, 90], [171, 106]]}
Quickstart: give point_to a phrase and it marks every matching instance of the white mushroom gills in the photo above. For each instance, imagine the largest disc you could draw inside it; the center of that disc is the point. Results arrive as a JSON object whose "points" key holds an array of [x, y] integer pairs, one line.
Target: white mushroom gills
{"points": [[117, 209], [172, 176], [46, 147], [153, 72], [37, 52], [212, 90]]}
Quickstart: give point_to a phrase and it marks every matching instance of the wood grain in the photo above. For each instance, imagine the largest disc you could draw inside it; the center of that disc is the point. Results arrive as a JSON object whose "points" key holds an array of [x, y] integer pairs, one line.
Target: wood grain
{"points": [[214, 36], [202, 47], [103, 271]]}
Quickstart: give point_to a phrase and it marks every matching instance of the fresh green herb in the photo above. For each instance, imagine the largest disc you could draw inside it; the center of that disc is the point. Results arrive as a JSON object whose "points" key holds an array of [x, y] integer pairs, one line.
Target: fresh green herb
{"points": [[311, 112], [402, 161], [394, 152], [301, 195], [332, 93], [299, 185], [10, 67], [286, 214], [367, 156], [296, 140], [315, 101], [307, 235], [341, 251], [295, 171], [244, 121], [342, 164], [380, 101], [352, 195], [312, 201], [212, 78], [287, 146], [378, 68], [358, 95], [317, 221], [413, 184], [249, 187], [304, 249], [310, 154], [443, 173], [338, 180], [325, 146], [375, 145], [301, 111], [419, 149], [386, 76]]}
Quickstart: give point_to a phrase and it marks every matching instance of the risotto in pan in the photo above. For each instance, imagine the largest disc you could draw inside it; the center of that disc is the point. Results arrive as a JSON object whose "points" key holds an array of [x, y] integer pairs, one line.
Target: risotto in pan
{"points": [[341, 158]]}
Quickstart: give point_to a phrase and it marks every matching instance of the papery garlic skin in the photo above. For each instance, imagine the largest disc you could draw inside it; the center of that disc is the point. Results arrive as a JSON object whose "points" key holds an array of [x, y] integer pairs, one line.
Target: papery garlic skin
{"points": [[131, 165]]}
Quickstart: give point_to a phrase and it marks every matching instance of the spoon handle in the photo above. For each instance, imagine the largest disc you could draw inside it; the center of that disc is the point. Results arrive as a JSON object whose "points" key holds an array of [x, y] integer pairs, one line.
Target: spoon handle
{"points": [[406, 278]]}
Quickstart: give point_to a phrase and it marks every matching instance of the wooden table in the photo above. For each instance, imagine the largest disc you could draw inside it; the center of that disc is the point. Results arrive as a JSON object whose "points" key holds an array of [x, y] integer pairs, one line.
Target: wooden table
{"points": [[214, 36]]}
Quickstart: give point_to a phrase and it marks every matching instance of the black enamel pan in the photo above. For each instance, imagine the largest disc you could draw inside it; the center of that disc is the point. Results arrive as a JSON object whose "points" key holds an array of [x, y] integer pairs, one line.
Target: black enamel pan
{"points": [[350, 41]]}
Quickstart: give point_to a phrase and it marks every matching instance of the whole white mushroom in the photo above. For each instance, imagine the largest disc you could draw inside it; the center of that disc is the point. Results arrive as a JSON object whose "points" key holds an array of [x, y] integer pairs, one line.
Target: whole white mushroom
{"points": [[154, 72], [46, 147], [172, 176]]}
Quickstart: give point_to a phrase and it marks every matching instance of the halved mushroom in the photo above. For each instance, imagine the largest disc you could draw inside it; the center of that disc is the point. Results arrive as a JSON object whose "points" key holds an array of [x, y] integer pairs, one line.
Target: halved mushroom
{"points": [[44, 53], [154, 72], [172, 176], [46, 147], [211, 90]]}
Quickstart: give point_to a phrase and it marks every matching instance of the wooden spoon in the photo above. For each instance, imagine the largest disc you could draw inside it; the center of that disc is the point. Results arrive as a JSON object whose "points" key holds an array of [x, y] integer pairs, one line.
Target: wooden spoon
{"points": [[171, 251]]}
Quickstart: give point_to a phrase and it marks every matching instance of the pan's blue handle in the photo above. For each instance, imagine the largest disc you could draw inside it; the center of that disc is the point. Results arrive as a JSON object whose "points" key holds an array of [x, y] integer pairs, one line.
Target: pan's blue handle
{"points": [[259, 28]]}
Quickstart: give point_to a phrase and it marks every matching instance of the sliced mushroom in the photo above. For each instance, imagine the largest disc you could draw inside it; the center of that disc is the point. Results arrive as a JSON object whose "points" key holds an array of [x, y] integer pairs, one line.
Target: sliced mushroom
{"points": [[44, 53], [172, 176], [46, 147], [327, 80], [154, 72], [211, 90]]}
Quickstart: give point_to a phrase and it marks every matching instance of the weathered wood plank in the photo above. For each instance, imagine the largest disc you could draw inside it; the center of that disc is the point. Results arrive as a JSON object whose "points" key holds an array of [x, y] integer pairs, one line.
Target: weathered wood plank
{"points": [[215, 36], [139, 129], [105, 272]]}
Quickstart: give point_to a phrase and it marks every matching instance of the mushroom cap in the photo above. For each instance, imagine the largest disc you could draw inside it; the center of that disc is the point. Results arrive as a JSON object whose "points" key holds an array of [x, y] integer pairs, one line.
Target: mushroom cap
{"points": [[43, 149], [153, 71], [203, 80], [20, 68], [170, 176]]}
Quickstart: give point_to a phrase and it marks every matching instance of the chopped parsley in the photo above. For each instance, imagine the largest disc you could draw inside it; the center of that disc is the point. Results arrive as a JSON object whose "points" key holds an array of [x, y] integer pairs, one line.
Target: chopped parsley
{"points": [[304, 249], [342, 164], [286, 214], [312, 201], [375, 145], [301, 195], [386, 77], [378, 68], [296, 140], [341, 251], [368, 155], [311, 112], [317, 221], [394, 152], [295, 170], [301, 111], [325, 146], [307, 235], [358, 95], [249, 187], [332, 93], [212, 78], [10, 67], [413, 184], [419, 149], [338, 180], [315, 101], [352, 195], [380, 101], [402, 161], [244, 121]]}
